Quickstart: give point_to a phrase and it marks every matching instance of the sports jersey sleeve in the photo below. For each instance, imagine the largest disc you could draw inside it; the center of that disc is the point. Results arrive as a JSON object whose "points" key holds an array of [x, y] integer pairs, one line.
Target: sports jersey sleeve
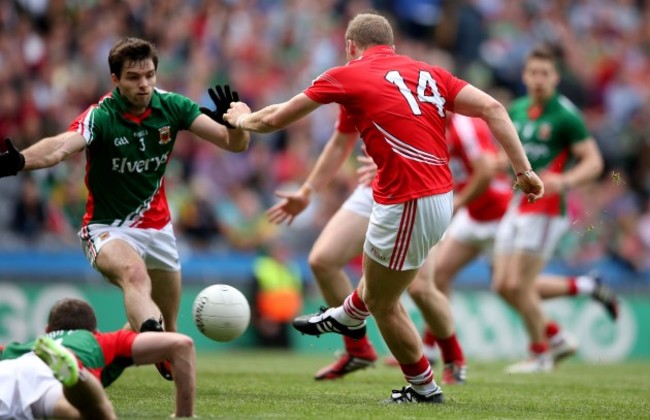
{"points": [[326, 88], [116, 344], [184, 110], [344, 123], [88, 124], [451, 83], [574, 129]]}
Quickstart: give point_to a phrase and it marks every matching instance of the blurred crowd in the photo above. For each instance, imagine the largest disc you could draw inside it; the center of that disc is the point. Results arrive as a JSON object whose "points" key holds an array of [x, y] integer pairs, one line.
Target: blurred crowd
{"points": [[53, 64]]}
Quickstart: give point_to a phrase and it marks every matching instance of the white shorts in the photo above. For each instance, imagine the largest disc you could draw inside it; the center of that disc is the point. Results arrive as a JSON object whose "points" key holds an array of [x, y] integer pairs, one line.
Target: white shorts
{"points": [[400, 236], [360, 201], [28, 388], [467, 230], [536, 234], [156, 247]]}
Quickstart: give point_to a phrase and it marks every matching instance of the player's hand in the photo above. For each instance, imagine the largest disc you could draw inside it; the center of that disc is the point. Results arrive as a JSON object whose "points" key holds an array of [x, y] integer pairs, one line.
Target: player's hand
{"points": [[292, 204], [11, 160], [236, 111], [367, 170], [222, 97], [531, 185]]}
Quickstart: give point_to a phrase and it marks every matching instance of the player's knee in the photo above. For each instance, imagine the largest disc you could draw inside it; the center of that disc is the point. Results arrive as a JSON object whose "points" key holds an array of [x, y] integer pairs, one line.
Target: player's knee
{"points": [[379, 305], [133, 274], [320, 263], [509, 290], [443, 276], [420, 291]]}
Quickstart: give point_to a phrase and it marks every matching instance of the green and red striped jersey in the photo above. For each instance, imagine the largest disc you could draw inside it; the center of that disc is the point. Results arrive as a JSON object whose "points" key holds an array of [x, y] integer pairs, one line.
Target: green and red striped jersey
{"points": [[126, 157], [547, 135], [105, 355]]}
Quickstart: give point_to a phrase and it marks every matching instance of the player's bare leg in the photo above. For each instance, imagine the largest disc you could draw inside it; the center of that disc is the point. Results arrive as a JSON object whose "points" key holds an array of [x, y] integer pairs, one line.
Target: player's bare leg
{"points": [[514, 277], [121, 264], [551, 286], [451, 256], [340, 241], [381, 293], [436, 311], [166, 293]]}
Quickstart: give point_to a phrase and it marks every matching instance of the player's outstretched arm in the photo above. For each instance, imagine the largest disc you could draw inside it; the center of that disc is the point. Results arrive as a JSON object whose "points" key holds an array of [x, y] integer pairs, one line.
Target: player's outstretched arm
{"points": [[335, 152], [153, 347], [47, 152], [473, 102], [212, 127], [271, 118]]}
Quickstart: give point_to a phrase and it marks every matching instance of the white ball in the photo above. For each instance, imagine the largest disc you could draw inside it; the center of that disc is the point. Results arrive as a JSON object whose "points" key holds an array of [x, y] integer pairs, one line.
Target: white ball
{"points": [[221, 312]]}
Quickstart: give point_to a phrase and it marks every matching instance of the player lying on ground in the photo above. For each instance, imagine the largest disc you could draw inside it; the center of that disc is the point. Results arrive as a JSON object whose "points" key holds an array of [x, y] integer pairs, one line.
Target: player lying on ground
{"points": [[62, 374]]}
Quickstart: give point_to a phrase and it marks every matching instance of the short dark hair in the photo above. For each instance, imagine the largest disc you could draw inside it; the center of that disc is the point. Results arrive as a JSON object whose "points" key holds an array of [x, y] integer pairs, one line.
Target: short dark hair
{"points": [[369, 29], [131, 50], [71, 314], [544, 52]]}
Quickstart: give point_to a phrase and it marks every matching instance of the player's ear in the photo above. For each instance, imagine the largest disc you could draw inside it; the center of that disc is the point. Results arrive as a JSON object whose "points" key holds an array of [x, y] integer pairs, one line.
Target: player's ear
{"points": [[351, 47], [48, 329]]}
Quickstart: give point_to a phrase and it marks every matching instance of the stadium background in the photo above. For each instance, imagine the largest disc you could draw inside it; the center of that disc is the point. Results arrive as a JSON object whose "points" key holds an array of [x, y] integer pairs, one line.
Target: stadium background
{"points": [[53, 65]]}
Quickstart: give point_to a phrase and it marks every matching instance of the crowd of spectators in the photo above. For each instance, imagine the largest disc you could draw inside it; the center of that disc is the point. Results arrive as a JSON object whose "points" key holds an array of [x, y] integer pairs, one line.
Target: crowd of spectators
{"points": [[53, 64]]}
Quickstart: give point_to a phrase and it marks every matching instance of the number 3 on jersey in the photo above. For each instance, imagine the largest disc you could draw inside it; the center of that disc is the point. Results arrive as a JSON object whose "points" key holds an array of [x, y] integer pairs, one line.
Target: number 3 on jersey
{"points": [[426, 81]]}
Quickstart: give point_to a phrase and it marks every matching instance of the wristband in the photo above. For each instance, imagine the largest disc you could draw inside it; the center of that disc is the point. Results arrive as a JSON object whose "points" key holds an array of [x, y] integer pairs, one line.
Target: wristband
{"points": [[525, 173], [240, 120]]}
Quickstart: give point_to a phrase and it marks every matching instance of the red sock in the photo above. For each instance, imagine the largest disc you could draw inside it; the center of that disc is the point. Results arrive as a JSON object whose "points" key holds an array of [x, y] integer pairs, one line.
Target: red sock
{"points": [[428, 338], [573, 286], [418, 373], [355, 347], [552, 328], [538, 348], [451, 350], [354, 306]]}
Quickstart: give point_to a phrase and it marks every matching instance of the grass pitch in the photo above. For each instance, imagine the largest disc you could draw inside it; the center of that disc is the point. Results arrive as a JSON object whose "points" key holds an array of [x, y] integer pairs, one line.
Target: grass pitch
{"points": [[259, 384]]}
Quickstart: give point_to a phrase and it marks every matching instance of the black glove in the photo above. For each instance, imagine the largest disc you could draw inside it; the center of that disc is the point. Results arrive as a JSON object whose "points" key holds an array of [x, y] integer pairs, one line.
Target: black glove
{"points": [[11, 160], [222, 97]]}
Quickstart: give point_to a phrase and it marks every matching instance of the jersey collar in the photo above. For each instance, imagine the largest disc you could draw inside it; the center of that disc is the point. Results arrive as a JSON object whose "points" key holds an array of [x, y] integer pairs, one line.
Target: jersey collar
{"points": [[121, 104], [537, 110], [378, 50]]}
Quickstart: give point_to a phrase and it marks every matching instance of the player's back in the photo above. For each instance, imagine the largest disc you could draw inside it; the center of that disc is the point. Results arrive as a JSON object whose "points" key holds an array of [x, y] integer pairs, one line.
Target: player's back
{"points": [[398, 106]]}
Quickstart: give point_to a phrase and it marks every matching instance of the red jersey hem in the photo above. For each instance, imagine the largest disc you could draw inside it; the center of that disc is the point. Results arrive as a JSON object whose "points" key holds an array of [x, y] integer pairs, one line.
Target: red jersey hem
{"points": [[411, 196]]}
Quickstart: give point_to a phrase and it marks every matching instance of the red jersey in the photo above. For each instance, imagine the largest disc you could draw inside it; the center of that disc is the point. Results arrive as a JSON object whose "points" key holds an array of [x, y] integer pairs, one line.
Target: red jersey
{"points": [[398, 106], [344, 123], [468, 138]]}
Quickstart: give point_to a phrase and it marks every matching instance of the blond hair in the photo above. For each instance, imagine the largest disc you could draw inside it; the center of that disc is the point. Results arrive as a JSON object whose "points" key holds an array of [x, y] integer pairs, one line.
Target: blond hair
{"points": [[368, 29]]}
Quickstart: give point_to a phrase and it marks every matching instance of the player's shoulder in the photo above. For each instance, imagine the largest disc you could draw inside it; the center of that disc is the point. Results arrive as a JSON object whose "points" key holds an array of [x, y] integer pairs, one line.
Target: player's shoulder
{"points": [[166, 96], [565, 106]]}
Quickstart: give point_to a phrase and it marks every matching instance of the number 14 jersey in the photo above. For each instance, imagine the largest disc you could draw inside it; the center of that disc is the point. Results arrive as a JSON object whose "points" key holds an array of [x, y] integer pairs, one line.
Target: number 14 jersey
{"points": [[398, 107]]}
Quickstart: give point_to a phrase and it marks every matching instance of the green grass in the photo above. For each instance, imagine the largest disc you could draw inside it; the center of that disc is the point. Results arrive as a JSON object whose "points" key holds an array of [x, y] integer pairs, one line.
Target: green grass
{"points": [[260, 384]]}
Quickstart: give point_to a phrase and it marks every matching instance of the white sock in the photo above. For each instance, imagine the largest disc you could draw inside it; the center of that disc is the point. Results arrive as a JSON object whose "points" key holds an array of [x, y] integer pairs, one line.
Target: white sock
{"points": [[425, 389], [341, 316]]}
